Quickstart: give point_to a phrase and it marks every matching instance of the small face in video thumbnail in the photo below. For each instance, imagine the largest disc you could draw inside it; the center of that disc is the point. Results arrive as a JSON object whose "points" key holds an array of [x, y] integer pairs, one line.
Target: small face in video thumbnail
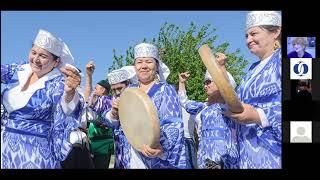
{"points": [[301, 47], [303, 89]]}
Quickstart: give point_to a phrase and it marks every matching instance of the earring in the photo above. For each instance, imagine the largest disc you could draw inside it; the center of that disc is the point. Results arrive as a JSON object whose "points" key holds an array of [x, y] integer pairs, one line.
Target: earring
{"points": [[276, 45], [157, 78]]}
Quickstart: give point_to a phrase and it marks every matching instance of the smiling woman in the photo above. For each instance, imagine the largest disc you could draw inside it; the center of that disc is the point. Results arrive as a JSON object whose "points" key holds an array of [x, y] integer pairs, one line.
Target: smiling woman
{"points": [[259, 125], [146, 69], [170, 153], [42, 61], [41, 106]]}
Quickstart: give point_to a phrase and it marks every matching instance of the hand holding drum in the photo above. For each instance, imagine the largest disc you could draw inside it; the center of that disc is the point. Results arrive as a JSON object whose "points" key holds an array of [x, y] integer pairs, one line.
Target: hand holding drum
{"points": [[139, 119], [226, 90]]}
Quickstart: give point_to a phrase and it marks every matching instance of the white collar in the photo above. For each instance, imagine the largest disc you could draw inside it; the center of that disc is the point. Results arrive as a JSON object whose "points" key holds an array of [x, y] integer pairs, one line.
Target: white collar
{"points": [[14, 98], [265, 60], [261, 65], [26, 72]]}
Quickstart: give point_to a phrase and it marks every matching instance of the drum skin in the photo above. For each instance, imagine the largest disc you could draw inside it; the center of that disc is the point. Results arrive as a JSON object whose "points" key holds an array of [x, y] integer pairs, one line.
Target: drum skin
{"points": [[139, 119], [225, 88]]}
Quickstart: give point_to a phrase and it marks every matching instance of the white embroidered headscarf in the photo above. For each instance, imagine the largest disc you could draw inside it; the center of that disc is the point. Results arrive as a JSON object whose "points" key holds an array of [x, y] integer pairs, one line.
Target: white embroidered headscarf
{"points": [[54, 45], [149, 50], [123, 74], [258, 18]]}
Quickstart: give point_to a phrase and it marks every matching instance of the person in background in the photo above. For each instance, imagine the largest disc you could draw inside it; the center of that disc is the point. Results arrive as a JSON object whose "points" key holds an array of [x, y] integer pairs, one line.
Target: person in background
{"points": [[119, 80], [303, 90], [299, 45], [217, 147], [189, 137], [101, 138]]}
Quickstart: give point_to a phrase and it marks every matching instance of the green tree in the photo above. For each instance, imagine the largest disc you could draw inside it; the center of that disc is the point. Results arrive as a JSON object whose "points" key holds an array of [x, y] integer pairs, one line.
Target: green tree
{"points": [[179, 51]]}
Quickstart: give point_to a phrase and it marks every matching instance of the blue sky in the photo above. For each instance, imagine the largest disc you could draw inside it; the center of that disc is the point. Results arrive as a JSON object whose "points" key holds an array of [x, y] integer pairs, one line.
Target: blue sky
{"points": [[93, 34]]}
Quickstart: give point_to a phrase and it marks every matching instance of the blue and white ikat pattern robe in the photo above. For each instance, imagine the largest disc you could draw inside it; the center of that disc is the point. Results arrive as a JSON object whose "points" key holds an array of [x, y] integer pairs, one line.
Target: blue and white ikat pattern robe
{"points": [[36, 127], [260, 147], [168, 107], [102, 104], [216, 134]]}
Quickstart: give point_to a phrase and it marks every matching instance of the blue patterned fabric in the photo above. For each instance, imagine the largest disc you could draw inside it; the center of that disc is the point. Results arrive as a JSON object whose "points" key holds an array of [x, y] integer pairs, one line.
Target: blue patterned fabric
{"points": [[191, 153], [215, 138], [7, 72], [167, 104], [102, 103], [37, 134], [261, 147]]}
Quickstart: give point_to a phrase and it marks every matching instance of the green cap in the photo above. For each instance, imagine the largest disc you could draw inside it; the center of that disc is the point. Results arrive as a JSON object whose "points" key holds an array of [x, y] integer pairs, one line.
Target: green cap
{"points": [[105, 84]]}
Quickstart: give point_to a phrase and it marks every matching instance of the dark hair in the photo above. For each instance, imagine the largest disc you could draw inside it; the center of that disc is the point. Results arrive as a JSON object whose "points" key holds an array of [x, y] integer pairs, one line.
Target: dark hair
{"points": [[126, 82], [158, 64], [55, 58], [273, 29]]}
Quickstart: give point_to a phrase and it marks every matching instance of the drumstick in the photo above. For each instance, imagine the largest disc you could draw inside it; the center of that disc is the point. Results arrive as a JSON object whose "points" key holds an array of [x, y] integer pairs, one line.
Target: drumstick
{"points": [[226, 90]]}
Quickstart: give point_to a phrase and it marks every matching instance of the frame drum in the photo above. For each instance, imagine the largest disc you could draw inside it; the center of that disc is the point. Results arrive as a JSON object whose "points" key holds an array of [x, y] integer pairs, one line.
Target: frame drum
{"points": [[139, 118], [225, 88]]}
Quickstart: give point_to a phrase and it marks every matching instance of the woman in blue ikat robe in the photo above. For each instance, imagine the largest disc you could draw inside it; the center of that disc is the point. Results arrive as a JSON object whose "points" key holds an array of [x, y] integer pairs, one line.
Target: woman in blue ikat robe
{"points": [[216, 133], [259, 125], [151, 73], [42, 106]]}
